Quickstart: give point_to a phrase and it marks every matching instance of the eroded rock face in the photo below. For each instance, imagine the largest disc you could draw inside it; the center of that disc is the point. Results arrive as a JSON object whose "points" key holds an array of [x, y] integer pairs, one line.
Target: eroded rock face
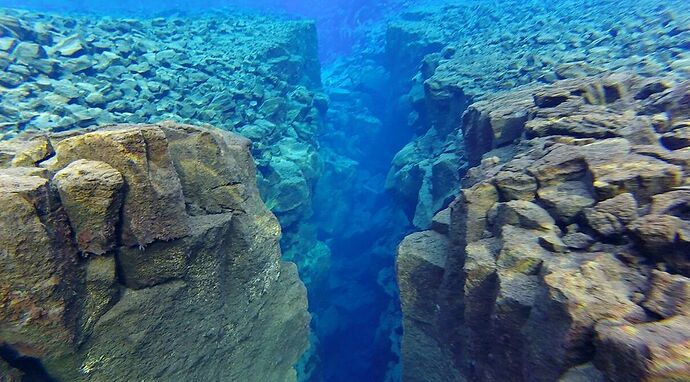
{"points": [[567, 258], [142, 252], [449, 56]]}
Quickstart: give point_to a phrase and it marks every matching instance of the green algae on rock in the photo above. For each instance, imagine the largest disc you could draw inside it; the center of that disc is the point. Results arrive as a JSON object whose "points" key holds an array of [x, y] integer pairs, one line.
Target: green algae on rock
{"points": [[177, 302]]}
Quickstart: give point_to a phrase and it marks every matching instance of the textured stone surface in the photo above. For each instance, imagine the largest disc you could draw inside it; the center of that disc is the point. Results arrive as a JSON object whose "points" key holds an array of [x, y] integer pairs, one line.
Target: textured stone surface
{"points": [[91, 193], [153, 205], [420, 267], [204, 296], [567, 258], [256, 75], [459, 58], [40, 269]]}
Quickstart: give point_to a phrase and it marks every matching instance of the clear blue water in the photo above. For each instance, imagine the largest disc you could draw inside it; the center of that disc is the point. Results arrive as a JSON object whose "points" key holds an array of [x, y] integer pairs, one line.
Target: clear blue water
{"points": [[356, 321]]}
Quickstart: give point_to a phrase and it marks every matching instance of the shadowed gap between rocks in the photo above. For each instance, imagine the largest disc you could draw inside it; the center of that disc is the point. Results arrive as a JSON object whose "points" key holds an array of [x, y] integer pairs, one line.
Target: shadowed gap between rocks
{"points": [[31, 367]]}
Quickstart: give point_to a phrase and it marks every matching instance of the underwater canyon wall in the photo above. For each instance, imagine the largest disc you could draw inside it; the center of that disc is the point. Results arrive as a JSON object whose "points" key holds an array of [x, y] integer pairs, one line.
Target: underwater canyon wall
{"points": [[565, 255], [254, 75], [538, 201], [142, 252], [447, 56]]}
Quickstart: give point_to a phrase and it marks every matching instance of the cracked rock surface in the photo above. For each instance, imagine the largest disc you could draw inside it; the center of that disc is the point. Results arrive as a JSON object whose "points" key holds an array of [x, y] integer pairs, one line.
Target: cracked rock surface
{"points": [[566, 254], [126, 256]]}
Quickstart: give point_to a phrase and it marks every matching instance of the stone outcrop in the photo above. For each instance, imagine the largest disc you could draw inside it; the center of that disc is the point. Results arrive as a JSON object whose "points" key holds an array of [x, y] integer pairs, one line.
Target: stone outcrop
{"points": [[251, 74], [143, 252], [565, 255], [449, 56]]}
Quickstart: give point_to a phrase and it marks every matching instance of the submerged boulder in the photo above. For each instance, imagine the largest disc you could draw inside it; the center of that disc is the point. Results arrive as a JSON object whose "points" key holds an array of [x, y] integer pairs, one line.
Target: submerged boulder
{"points": [[184, 278]]}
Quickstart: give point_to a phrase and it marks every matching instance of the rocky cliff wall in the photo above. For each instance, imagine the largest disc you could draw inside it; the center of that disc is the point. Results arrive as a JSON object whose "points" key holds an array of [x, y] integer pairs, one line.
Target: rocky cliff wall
{"points": [[451, 55], [564, 257], [252, 74], [142, 252]]}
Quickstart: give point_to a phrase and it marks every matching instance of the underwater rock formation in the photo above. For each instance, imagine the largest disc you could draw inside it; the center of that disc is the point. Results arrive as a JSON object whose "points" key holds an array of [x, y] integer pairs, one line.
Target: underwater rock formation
{"points": [[252, 74], [451, 55], [565, 256], [143, 252], [255, 75]]}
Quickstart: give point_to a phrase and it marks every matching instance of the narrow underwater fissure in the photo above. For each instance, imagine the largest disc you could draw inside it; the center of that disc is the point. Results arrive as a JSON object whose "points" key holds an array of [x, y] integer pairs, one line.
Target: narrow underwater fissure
{"points": [[356, 319]]}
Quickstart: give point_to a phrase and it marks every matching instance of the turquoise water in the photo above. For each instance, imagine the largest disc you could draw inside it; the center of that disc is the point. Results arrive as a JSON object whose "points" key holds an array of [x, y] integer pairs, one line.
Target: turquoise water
{"points": [[351, 156]]}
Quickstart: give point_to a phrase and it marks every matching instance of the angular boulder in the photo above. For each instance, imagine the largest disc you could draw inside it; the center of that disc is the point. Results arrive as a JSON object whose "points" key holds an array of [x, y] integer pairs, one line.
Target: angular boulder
{"points": [[91, 193], [154, 206]]}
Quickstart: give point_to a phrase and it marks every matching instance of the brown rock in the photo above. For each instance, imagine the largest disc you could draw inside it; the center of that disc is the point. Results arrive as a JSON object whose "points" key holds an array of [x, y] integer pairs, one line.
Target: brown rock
{"points": [[522, 251], [40, 269], [578, 240], [165, 261], [669, 295], [675, 203], [153, 205], [515, 185], [524, 214], [441, 221], [586, 125], [91, 193], [579, 292], [666, 238], [206, 162], [639, 175], [562, 163], [125, 317], [655, 351], [473, 205], [496, 122], [421, 262], [420, 266], [26, 153], [101, 292], [609, 217], [566, 200]]}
